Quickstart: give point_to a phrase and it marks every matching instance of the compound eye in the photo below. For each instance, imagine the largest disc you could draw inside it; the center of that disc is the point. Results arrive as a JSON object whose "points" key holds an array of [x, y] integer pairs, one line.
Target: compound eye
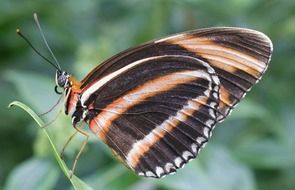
{"points": [[62, 79]]}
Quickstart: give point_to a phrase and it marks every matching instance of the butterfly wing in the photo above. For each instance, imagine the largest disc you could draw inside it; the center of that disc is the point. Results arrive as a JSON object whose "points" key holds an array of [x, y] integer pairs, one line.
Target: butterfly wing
{"points": [[157, 113], [239, 57], [155, 105]]}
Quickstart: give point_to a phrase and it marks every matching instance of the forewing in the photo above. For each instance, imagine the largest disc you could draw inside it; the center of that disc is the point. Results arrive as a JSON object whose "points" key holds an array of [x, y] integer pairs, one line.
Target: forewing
{"points": [[238, 56], [157, 113]]}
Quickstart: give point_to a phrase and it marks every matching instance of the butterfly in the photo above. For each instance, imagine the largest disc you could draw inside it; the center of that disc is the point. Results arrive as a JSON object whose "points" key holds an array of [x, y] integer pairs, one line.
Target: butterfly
{"points": [[156, 105]]}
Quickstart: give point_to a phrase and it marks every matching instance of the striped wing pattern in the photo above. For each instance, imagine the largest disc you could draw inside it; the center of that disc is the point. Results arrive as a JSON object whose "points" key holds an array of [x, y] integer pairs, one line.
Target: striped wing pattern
{"points": [[155, 105]]}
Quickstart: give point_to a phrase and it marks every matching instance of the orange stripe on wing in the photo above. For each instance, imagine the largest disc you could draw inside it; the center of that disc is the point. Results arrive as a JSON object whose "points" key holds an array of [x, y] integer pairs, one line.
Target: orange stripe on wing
{"points": [[103, 121], [141, 147], [222, 57], [225, 96]]}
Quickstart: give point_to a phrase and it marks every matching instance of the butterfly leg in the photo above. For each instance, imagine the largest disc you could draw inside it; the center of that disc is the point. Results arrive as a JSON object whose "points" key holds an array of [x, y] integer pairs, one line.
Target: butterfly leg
{"points": [[66, 144], [53, 120], [52, 108], [81, 149]]}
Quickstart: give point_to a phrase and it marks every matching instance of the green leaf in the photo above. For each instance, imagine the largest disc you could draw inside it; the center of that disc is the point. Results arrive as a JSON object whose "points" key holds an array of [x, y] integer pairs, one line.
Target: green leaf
{"points": [[112, 177], [214, 169], [245, 111], [263, 153], [77, 183], [38, 170]]}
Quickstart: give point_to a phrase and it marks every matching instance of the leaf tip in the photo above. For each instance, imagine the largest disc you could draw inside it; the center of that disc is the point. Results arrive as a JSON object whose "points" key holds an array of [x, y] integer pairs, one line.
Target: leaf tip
{"points": [[11, 104]]}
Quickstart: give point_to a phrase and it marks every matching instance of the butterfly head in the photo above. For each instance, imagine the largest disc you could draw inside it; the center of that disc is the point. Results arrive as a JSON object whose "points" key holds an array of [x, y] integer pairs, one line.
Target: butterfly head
{"points": [[62, 79]]}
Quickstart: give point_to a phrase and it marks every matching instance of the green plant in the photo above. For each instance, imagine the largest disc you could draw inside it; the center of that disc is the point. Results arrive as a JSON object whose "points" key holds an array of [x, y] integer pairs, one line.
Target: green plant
{"points": [[77, 183]]}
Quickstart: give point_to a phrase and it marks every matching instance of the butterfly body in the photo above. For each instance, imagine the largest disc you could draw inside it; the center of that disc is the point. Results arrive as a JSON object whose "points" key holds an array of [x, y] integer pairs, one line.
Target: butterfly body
{"points": [[155, 105]]}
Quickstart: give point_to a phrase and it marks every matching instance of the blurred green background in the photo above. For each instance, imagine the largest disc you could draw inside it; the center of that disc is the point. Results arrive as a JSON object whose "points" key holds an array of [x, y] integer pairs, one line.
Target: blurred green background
{"points": [[253, 149]]}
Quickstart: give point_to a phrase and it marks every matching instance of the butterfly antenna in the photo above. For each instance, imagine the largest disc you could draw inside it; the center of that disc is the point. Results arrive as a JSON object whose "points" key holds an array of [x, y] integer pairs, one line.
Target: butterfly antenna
{"points": [[45, 41], [31, 45]]}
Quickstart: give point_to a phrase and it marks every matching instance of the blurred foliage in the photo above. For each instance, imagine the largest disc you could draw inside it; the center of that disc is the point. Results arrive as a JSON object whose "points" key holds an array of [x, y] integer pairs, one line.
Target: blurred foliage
{"points": [[17, 182], [253, 149]]}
